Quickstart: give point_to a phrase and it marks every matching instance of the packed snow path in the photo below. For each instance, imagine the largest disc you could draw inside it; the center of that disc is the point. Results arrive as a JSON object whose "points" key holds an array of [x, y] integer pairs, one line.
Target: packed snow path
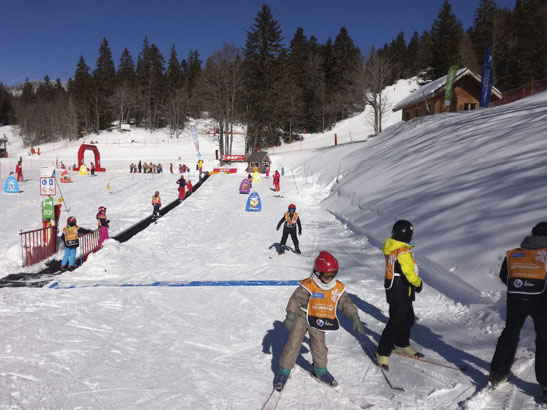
{"points": [[217, 347]]}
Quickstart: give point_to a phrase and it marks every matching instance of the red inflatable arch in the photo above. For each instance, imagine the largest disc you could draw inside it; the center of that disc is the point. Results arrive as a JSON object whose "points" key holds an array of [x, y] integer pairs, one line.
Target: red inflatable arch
{"points": [[83, 148]]}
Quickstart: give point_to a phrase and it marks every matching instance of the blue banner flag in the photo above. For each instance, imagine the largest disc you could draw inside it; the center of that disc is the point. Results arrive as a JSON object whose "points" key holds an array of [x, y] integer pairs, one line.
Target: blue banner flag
{"points": [[486, 81]]}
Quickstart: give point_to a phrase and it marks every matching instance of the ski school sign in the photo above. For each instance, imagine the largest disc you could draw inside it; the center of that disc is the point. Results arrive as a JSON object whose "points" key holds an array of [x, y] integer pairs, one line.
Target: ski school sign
{"points": [[233, 158], [224, 170]]}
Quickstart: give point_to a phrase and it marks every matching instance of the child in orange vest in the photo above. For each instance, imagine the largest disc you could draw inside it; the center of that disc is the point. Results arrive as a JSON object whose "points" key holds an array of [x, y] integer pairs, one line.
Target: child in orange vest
{"points": [[156, 203], [312, 309], [71, 237]]}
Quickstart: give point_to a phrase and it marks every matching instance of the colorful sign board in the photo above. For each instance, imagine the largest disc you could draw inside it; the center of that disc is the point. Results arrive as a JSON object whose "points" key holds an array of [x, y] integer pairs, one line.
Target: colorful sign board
{"points": [[48, 186]]}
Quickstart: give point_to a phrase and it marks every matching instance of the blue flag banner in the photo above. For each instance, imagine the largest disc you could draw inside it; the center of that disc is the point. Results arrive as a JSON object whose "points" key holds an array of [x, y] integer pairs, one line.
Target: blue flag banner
{"points": [[486, 81]]}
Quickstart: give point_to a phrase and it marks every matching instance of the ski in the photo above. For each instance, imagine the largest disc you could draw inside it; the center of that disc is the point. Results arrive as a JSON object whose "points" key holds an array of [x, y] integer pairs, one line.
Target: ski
{"points": [[433, 362], [338, 390], [384, 372], [273, 399]]}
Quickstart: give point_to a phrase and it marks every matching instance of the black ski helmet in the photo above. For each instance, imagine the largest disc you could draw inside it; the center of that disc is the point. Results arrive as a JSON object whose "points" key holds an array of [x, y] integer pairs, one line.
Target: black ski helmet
{"points": [[540, 229], [402, 231]]}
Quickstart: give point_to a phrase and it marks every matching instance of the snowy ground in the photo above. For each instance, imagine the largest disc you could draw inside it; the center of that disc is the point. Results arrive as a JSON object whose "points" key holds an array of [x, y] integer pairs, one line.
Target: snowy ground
{"points": [[106, 337]]}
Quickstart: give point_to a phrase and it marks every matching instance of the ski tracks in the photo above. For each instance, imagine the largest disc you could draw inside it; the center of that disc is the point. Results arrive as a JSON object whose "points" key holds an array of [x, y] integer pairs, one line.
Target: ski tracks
{"points": [[508, 395]]}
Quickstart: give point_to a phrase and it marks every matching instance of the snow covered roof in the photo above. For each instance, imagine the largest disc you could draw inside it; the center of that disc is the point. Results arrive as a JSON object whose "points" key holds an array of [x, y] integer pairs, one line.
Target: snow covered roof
{"points": [[259, 157], [433, 87]]}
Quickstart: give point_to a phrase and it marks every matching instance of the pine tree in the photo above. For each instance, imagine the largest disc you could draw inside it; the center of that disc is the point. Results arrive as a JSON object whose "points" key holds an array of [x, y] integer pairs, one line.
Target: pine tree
{"points": [[176, 97], [81, 90], [529, 53], [445, 35], [412, 56], [104, 76], [124, 96], [263, 53]]}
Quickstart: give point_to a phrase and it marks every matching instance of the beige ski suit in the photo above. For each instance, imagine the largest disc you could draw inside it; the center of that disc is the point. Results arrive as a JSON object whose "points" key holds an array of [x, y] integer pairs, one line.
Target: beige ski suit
{"points": [[297, 304]]}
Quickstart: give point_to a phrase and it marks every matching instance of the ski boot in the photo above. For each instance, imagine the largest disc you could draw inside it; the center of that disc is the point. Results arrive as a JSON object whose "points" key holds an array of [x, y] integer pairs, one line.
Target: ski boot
{"points": [[323, 375], [409, 351], [282, 249], [383, 362], [71, 268], [297, 250], [63, 269], [281, 378], [495, 379]]}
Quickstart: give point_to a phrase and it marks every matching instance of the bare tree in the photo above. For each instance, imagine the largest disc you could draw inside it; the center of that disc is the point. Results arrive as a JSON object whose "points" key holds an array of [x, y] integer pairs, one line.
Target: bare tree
{"points": [[123, 101], [221, 87], [377, 71]]}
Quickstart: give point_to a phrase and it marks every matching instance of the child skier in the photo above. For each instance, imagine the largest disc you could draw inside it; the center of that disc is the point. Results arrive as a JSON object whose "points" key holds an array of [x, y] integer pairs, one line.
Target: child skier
{"points": [[71, 237], [102, 223], [291, 220], [312, 308], [401, 283], [189, 186], [156, 203]]}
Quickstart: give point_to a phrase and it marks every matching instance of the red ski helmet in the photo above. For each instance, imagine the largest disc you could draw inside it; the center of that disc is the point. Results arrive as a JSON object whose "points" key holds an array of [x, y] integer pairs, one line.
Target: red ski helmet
{"points": [[292, 207], [157, 193], [102, 208], [71, 221], [325, 265]]}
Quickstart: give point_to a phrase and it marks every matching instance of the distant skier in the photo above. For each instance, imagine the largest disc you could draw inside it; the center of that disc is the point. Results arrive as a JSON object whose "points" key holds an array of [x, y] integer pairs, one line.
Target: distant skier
{"points": [[276, 179], [156, 204], [92, 169], [524, 272], [71, 237], [182, 186], [401, 284], [312, 309], [290, 220], [189, 186], [103, 224], [19, 171]]}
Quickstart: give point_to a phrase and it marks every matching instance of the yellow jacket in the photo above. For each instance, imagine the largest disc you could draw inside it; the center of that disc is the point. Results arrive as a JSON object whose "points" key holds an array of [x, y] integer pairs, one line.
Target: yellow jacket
{"points": [[401, 272]]}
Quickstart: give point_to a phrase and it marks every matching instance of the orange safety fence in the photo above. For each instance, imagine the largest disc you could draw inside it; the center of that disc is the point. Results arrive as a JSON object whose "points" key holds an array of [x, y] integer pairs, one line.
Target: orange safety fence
{"points": [[526, 90]]}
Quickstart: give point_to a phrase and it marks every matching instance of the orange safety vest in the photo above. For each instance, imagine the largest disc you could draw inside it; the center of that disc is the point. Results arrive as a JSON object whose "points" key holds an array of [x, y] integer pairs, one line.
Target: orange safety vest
{"points": [[290, 223], [526, 271], [390, 265], [71, 235], [156, 200], [321, 312]]}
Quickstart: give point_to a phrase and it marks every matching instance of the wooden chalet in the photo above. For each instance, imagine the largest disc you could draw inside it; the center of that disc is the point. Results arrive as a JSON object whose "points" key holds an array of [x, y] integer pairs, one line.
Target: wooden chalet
{"points": [[429, 99], [260, 159]]}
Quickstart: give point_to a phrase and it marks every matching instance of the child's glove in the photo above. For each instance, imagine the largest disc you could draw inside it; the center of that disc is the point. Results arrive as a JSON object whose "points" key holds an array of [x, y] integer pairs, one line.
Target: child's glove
{"points": [[300, 232], [289, 321], [357, 324], [419, 288]]}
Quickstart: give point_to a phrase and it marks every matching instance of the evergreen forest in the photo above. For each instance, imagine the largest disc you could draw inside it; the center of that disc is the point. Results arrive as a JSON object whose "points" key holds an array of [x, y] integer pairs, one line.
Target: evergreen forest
{"points": [[277, 88]]}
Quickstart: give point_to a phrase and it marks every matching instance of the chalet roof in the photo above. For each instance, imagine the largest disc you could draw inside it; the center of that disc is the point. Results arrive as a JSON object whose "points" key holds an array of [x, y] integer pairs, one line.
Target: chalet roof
{"points": [[435, 86], [258, 156]]}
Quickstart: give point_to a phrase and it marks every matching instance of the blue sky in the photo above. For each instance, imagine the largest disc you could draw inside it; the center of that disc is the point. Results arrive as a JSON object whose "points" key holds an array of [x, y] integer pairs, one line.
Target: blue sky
{"points": [[48, 37]]}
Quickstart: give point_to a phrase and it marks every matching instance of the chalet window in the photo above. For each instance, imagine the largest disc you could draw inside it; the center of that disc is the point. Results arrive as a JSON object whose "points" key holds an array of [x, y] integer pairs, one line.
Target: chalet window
{"points": [[417, 113], [469, 106], [407, 115]]}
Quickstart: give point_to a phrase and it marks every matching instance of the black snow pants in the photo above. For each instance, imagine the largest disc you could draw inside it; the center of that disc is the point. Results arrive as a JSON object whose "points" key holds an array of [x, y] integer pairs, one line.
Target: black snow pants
{"points": [[518, 309], [397, 331], [286, 233]]}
